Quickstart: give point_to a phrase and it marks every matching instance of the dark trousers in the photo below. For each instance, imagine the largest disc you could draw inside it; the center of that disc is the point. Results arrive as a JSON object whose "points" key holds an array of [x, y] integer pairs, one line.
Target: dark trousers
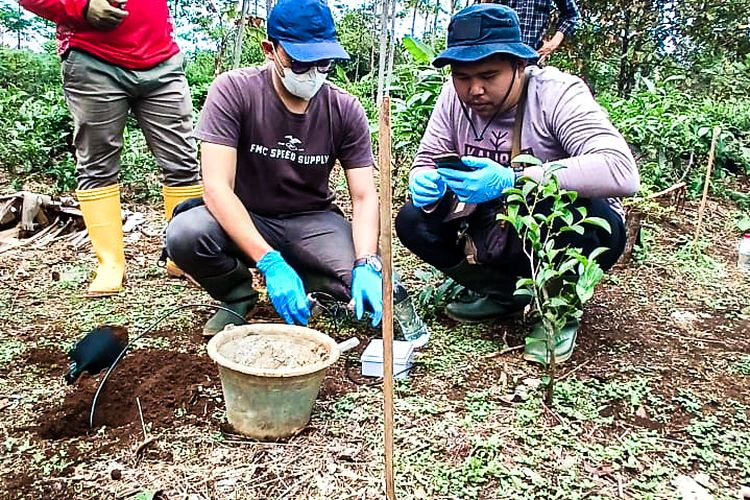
{"points": [[435, 241], [318, 245]]}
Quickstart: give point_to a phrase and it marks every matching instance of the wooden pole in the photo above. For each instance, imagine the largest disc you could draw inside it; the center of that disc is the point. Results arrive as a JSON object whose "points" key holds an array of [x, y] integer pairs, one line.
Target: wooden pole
{"points": [[384, 162], [706, 182]]}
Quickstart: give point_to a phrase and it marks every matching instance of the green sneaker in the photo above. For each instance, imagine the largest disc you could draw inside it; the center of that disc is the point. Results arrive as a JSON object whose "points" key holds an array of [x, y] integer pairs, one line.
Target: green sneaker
{"points": [[536, 343]]}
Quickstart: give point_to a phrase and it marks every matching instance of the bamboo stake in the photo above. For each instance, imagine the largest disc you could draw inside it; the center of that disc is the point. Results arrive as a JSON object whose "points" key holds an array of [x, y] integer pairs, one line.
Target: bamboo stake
{"points": [[384, 161], [706, 182]]}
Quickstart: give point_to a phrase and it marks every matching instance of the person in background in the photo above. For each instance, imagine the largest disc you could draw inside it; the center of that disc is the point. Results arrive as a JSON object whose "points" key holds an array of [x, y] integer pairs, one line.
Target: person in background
{"points": [[534, 18], [271, 137], [495, 106], [120, 57]]}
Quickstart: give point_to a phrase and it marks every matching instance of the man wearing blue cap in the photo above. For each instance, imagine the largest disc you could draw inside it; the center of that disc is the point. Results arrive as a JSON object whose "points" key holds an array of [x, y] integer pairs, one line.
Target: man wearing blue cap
{"points": [[495, 107], [270, 138]]}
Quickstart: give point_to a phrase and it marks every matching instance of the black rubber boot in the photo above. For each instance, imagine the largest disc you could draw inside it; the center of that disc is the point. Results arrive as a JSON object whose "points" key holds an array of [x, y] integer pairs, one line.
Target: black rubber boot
{"points": [[235, 291], [492, 296]]}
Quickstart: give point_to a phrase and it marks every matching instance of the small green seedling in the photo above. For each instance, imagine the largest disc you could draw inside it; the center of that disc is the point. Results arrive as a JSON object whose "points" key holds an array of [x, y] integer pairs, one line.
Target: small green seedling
{"points": [[562, 279]]}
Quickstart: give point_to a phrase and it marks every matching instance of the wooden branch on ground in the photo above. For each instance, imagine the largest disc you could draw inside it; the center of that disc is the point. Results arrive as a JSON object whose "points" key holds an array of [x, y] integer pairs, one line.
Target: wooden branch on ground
{"points": [[633, 220], [670, 189], [706, 182], [35, 220], [12, 245]]}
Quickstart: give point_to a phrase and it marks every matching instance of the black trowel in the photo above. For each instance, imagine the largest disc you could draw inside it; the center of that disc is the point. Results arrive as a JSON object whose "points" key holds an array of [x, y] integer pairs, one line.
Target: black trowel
{"points": [[96, 351]]}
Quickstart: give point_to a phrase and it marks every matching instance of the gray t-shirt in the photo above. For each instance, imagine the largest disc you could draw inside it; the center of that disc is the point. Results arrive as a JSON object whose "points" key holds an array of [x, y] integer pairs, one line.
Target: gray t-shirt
{"points": [[563, 124], [284, 159]]}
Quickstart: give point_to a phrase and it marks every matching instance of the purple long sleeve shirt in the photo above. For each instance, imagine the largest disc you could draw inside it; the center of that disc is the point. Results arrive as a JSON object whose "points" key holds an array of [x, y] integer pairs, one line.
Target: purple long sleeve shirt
{"points": [[563, 124]]}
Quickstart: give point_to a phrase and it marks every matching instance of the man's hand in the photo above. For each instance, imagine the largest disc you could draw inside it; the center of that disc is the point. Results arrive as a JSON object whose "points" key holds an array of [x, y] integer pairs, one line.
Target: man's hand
{"points": [[285, 288], [549, 46], [367, 288], [103, 16], [426, 187], [486, 183]]}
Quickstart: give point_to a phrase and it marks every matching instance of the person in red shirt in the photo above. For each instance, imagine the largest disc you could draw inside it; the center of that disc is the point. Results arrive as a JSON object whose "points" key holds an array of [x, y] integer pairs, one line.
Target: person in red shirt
{"points": [[118, 58]]}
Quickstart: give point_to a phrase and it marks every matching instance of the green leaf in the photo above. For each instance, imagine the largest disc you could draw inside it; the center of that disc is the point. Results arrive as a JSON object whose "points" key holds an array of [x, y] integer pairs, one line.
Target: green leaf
{"points": [[557, 302], [146, 495], [514, 199], [524, 282], [597, 252], [576, 229], [527, 159], [341, 74], [599, 222], [567, 266], [420, 51], [528, 187], [584, 293], [523, 292]]}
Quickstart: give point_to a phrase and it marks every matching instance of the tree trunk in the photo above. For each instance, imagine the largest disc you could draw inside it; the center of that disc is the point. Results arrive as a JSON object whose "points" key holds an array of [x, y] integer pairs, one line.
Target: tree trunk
{"points": [[414, 18], [18, 6], [391, 46], [623, 76], [237, 55], [437, 15]]}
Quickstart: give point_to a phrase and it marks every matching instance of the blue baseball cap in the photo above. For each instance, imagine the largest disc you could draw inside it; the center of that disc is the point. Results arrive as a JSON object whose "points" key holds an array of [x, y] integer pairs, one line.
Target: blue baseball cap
{"points": [[305, 30], [482, 30]]}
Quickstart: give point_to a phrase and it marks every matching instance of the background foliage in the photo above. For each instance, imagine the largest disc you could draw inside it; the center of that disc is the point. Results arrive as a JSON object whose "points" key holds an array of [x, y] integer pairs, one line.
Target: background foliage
{"points": [[667, 72]]}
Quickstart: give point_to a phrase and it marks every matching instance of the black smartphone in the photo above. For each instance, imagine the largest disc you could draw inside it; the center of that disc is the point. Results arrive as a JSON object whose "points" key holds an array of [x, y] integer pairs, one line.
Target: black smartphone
{"points": [[452, 161]]}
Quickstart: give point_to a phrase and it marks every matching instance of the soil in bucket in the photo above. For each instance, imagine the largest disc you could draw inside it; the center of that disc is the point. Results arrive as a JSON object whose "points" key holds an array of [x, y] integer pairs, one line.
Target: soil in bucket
{"points": [[274, 352]]}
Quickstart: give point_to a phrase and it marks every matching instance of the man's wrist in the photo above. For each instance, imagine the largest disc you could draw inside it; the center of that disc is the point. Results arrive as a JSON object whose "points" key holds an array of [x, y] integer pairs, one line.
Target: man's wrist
{"points": [[372, 260]]}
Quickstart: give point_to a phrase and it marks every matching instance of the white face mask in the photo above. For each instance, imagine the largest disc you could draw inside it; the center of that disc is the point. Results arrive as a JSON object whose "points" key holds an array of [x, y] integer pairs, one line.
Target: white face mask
{"points": [[304, 86]]}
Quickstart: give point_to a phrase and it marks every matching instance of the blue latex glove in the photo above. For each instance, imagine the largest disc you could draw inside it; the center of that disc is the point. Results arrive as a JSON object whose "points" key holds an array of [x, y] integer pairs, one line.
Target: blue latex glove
{"points": [[486, 183], [426, 187], [367, 288], [285, 288]]}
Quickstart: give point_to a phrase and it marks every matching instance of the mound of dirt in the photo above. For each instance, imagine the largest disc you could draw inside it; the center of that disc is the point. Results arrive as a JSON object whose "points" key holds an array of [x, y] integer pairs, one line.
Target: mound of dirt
{"points": [[162, 381]]}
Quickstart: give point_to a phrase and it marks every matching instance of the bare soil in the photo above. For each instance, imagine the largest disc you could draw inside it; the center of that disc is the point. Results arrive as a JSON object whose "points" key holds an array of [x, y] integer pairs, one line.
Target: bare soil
{"points": [[629, 331]]}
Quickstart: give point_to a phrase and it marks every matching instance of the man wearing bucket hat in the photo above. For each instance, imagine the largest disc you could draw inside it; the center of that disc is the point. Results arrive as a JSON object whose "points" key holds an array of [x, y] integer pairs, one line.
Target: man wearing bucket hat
{"points": [[494, 107], [270, 139]]}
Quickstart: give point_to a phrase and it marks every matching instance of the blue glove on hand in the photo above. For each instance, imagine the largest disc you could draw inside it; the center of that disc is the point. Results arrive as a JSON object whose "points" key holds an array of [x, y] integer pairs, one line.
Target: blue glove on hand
{"points": [[367, 287], [285, 288], [426, 187], [486, 183]]}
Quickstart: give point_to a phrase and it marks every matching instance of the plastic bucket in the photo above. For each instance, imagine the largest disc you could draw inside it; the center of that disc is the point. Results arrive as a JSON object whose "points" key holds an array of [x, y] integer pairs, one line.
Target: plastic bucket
{"points": [[269, 404]]}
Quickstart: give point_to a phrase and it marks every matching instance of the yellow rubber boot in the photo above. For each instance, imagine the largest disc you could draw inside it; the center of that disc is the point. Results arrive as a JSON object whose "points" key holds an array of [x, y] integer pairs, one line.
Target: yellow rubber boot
{"points": [[101, 213], [173, 196]]}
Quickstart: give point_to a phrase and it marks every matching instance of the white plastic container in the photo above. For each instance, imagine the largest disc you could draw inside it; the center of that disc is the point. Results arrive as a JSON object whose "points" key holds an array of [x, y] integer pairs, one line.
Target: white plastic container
{"points": [[743, 257], [372, 358]]}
